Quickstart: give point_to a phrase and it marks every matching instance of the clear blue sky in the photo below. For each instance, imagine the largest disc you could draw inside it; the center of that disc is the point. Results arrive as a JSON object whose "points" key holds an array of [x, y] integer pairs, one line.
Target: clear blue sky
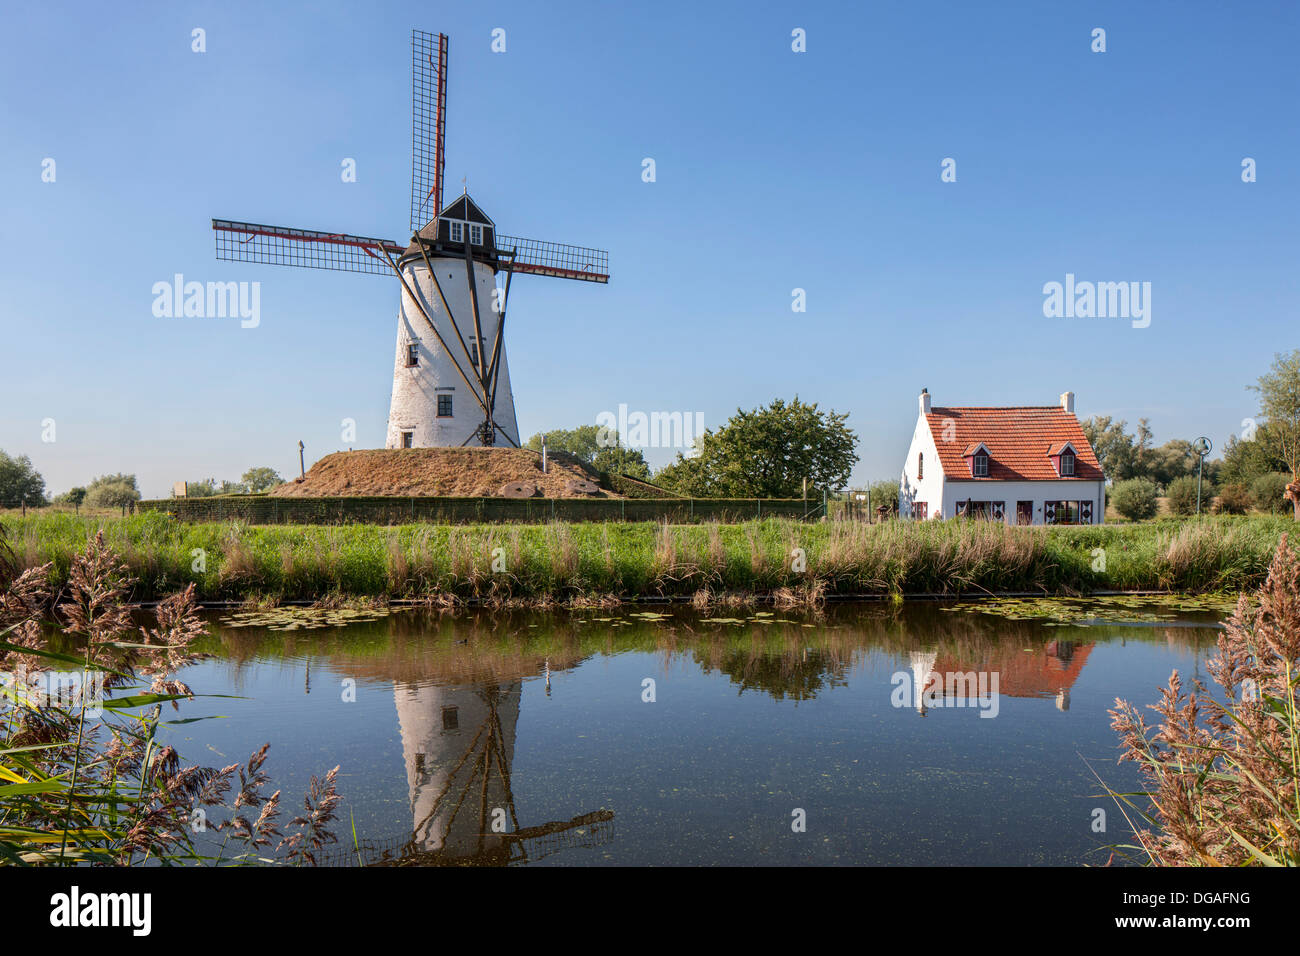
{"points": [[775, 170]]}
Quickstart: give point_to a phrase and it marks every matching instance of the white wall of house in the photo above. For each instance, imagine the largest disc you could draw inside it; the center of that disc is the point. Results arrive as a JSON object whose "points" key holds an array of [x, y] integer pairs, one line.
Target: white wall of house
{"points": [[416, 389], [927, 487], [1009, 492]]}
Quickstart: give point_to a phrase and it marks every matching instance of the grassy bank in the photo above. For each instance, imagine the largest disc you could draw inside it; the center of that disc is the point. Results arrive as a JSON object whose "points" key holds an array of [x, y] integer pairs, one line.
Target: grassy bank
{"points": [[560, 562]]}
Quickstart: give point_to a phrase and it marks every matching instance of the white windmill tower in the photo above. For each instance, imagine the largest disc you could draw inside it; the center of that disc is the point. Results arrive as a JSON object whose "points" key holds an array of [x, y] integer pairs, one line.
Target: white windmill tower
{"points": [[451, 380]]}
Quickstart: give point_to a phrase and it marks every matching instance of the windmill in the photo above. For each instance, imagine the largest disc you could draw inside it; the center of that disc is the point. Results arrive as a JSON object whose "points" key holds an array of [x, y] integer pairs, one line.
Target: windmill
{"points": [[451, 380]]}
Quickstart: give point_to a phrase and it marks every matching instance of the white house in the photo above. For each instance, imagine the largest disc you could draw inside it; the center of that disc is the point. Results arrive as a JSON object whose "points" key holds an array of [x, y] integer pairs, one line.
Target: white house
{"points": [[1019, 464]]}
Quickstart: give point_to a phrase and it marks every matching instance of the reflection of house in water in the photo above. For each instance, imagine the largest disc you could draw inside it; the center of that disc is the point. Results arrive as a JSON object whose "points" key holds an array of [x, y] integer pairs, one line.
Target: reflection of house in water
{"points": [[1048, 671]]}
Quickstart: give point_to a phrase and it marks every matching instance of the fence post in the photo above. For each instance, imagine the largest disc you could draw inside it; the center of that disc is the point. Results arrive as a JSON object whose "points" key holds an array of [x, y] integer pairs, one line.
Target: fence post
{"points": [[760, 509]]}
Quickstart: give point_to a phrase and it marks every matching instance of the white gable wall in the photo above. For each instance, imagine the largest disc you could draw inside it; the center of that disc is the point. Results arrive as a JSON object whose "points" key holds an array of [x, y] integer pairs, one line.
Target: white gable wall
{"points": [[929, 488]]}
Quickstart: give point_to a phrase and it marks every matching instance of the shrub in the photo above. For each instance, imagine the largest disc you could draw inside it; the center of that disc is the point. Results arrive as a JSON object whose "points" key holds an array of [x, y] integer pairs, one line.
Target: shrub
{"points": [[1135, 499], [1181, 495], [1268, 493], [1234, 499]]}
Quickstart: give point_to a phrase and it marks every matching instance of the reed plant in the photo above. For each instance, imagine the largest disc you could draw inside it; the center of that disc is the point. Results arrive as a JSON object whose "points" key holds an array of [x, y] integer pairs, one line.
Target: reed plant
{"points": [[1223, 771], [86, 776]]}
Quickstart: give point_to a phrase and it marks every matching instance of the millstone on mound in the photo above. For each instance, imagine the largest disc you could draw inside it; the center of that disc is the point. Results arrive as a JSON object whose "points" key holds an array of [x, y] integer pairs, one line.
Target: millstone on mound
{"points": [[517, 489], [582, 487]]}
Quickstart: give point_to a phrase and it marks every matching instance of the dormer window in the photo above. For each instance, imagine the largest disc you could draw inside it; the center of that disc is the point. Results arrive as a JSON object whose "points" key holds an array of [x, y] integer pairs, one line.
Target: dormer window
{"points": [[457, 230], [980, 465], [1067, 464], [476, 234]]}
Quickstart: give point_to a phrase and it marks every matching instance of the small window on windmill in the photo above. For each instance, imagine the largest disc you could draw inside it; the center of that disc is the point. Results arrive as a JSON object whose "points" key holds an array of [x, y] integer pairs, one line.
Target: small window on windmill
{"points": [[412, 355], [444, 406], [450, 718], [457, 230], [476, 234], [475, 345], [408, 439]]}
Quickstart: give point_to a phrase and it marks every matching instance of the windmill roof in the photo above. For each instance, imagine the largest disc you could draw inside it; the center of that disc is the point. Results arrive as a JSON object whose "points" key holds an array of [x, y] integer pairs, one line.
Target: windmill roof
{"points": [[1020, 441]]}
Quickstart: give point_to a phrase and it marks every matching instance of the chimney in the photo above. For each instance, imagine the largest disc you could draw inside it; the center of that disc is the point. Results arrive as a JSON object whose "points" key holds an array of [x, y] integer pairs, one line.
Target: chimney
{"points": [[925, 401], [1067, 401]]}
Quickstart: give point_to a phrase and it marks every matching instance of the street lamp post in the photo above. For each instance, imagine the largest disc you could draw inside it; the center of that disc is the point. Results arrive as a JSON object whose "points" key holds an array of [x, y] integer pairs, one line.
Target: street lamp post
{"points": [[1202, 448]]}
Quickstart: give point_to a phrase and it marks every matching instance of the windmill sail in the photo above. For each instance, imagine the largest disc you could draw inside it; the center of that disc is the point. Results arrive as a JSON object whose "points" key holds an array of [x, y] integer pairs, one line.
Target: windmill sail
{"points": [[304, 248], [538, 257], [428, 124]]}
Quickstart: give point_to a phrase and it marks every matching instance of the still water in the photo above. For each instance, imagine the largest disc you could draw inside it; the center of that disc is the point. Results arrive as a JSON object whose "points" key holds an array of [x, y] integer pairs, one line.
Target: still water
{"points": [[666, 737]]}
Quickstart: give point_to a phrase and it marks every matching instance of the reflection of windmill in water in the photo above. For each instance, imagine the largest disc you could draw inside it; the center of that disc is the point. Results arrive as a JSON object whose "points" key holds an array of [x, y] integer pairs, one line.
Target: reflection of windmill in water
{"points": [[459, 745]]}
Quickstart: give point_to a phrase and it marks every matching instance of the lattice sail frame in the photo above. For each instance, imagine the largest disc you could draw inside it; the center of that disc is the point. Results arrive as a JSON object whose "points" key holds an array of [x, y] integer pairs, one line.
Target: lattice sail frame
{"points": [[428, 125], [539, 257], [310, 249], [304, 248]]}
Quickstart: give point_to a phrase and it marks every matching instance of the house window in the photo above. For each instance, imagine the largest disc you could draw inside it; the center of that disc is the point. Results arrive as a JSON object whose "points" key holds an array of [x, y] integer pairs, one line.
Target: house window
{"points": [[920, 510], [981, 466], [457, 230], [408, 439], [1067, 464], [476, 234], [1061, 512], [920, 465], [412, 355], [444, 406]]}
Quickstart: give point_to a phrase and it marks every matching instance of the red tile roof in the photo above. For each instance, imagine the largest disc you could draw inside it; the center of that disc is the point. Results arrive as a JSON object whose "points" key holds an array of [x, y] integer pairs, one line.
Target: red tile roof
{"points": [[1018, 440]]}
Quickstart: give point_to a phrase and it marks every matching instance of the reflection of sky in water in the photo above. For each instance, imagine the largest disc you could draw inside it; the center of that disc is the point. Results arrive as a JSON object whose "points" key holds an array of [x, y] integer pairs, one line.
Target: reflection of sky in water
{"points": [[711, 771]]}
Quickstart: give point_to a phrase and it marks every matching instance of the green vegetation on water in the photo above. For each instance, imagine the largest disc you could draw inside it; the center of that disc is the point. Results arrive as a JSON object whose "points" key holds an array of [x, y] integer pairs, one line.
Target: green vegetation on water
{"points": [[563, 562]]}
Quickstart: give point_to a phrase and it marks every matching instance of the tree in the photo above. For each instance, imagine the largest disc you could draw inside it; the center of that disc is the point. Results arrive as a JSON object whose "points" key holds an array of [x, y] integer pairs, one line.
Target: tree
{"points": [[1135, 498], [1174, 459], [20, 482], [261, 479], [204, 488], [1120, 454], [583, 441], [112, 491], [598, 447], [1279, 405], [1248, 459], [767, 453], [74, 497], [622, 461]]}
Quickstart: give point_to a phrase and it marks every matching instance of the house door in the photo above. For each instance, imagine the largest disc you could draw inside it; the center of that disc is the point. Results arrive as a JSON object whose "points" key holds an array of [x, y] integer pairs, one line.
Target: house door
{"points": [[1024, 512]]}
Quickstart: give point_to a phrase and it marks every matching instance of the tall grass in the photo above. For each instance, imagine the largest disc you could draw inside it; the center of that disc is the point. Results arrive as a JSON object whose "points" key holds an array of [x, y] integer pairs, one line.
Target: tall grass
{"points": [[560, 562]]}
